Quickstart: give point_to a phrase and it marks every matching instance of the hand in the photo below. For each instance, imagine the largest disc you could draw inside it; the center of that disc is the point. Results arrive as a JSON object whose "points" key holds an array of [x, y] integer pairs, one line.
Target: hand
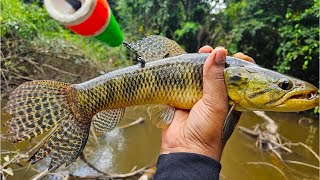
{"points": [[200, 129]]}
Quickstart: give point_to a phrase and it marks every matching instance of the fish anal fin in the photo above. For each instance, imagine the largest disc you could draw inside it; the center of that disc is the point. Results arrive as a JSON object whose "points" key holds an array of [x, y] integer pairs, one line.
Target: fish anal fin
{"points": [[68, 141], [70, 147], [107, 120], [161, 115], [155, 47]]}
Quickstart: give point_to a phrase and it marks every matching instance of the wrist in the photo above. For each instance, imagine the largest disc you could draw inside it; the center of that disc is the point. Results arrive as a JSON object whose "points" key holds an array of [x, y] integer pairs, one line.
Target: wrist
{"points": [[213, 152]]}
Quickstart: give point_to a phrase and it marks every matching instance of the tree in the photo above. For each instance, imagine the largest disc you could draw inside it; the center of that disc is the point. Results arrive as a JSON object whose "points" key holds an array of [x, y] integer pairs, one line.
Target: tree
{"points": [[281, 35]]}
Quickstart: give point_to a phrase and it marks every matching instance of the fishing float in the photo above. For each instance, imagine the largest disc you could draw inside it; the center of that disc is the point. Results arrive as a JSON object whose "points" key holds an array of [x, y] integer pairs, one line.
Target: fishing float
{"points": [[88, 18]]}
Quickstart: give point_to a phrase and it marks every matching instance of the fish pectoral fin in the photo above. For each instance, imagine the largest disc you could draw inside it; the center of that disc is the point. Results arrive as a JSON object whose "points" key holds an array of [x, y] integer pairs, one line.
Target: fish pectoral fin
{"points": [[155, 47], [161, 115], [107, 120], [229, 124]]}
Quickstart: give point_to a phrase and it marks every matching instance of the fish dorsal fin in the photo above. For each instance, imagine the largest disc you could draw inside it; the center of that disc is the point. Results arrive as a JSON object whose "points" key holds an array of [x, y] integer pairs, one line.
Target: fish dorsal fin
{"points": [[107, 120], [156, 47], [234, 62], [161, 115]]}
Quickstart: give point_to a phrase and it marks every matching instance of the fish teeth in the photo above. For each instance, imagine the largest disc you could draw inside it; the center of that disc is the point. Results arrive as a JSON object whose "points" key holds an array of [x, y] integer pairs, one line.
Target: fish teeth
{"points": [[312, 96]]}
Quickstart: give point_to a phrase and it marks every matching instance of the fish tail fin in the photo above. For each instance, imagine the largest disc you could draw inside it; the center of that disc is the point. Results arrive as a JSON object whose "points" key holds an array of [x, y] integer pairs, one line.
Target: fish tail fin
{"points": [[38, 106]]}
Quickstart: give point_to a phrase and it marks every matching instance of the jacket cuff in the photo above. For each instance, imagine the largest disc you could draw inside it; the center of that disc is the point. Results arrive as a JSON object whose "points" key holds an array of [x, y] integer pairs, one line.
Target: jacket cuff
{"points": [[187, 166]]}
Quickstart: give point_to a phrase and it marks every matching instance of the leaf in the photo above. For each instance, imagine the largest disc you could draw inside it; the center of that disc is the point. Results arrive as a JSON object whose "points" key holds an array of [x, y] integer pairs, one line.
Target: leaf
{"points": [[6, 158], [9, 171]]}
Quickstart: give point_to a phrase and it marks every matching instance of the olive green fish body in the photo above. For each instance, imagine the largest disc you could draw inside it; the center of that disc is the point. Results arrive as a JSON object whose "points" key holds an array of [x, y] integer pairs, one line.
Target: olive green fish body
{"points": [[175, 81]]}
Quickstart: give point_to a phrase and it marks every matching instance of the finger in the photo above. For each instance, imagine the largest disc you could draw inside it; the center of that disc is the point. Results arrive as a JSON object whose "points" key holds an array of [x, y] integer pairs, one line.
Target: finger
{"points": [[205, 49], [214, 89], [240, 55]]}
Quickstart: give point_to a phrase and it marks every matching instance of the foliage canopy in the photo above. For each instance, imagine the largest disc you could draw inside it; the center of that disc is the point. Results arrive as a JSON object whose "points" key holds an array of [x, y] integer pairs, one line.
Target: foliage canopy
{"points": [[281, 35]]}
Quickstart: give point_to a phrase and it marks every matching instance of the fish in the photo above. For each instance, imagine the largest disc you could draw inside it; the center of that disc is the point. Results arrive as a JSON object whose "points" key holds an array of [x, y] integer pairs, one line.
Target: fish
{"points": [[170, 78]]}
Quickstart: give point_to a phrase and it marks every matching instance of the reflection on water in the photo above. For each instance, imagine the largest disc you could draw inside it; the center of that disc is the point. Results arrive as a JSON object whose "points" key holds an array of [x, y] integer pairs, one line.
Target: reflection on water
{"points": [[122, 150]]}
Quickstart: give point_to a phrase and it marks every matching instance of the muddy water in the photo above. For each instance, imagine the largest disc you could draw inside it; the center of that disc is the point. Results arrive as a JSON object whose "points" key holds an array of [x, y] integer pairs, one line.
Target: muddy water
{"points": [[122, 150]]}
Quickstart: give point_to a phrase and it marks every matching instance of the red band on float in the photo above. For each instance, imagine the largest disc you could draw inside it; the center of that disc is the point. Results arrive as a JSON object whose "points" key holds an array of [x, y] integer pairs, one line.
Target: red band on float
{"points": [[95, 22]]}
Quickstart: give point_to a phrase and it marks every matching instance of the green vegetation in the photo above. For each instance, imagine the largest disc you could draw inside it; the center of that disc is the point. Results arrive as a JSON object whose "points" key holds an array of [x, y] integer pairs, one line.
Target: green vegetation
{"points": [[31, 22], [281, 35]]}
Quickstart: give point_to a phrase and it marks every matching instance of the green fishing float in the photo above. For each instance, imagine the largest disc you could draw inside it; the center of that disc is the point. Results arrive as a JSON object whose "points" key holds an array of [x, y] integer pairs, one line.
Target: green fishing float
{"points": [[89, 18]]}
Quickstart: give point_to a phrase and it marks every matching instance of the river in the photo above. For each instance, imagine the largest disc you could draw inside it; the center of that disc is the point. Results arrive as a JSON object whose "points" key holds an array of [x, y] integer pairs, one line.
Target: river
{"points": [[123, 150]]}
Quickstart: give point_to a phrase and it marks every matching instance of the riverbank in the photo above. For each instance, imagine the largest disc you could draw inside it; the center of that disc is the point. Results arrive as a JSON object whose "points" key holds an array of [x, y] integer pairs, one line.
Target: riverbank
{"points": [[23, 61]]}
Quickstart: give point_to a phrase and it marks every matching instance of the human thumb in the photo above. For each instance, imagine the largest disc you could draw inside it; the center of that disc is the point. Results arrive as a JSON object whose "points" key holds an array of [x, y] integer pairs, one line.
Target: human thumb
{"points": [[214, 89]]}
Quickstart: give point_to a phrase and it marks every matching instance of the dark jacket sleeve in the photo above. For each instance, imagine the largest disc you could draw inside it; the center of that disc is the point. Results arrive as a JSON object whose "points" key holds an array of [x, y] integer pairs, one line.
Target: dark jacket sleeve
{"points": [[187, 166]]}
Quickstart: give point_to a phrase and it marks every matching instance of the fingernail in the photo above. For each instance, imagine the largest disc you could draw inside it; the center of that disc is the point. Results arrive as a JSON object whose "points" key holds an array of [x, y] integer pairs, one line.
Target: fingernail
{"points": [[220, 57]]}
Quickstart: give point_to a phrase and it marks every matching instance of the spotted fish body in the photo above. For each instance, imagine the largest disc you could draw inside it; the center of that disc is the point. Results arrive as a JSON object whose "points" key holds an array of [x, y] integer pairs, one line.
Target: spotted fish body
{"points": [[172, 79], [175, 81]]}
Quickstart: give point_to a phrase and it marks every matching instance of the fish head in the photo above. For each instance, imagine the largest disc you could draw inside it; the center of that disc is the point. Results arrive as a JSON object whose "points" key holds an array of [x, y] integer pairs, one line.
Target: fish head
{"points": [[257, 88]]}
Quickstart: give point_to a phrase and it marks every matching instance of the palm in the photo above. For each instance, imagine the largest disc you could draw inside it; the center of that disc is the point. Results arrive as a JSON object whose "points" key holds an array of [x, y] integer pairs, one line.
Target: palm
{"points": [[196, 128], [200, 129]]}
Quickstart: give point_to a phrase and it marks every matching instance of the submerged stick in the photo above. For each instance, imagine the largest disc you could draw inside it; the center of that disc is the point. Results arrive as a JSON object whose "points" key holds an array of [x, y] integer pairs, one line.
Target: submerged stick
{"points": [[85, 160], [305, 146], [40, 175], [248, 131], [136, 122], [116, 176], [281, 146], [302, 163], [270, 165], [271, 126], [148, 174]]}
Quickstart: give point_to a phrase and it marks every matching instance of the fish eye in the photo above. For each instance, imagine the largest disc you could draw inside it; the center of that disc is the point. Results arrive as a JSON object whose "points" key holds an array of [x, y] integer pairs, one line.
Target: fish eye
{"points": [[285, 84]]}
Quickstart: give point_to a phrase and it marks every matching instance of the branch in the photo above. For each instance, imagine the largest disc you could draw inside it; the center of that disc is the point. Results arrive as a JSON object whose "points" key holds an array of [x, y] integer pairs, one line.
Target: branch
{"points": [[136, 122], [264, 116], [281, 146], [35, 64], [5, 79], [268, 164], [148, 174], [116, 176], [220, 25], [248, 131], [40, 175], [16, 74], [59, 70], [9, 162], [302, 163], [84, 159], [271, 126], [305, 146]]}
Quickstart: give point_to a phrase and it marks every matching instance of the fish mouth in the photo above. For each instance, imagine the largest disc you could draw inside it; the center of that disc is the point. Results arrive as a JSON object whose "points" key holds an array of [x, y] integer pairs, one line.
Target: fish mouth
{"points": [[308, 95], [299, 101]]}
